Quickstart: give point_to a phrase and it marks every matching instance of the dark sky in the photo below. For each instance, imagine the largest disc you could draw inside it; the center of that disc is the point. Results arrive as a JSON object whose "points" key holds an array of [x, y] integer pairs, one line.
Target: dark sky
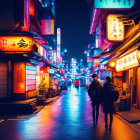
{"points": [[72, 16]]}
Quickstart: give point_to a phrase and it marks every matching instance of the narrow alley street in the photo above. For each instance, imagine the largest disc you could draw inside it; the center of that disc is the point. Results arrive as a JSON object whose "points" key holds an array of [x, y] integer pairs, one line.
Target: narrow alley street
{"points": [[68, 118]]}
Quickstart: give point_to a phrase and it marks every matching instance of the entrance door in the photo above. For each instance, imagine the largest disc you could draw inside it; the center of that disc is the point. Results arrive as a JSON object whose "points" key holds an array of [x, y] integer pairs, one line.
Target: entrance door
{"points": [[3, 79], [138, 88]]}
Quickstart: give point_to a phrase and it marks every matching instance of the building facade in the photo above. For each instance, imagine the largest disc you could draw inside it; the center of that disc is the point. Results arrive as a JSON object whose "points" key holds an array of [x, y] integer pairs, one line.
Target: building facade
{"points": [[26, 54], [120, 56]]}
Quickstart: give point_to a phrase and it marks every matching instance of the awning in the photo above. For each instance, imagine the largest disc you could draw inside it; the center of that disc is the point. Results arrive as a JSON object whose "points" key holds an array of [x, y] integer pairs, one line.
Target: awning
{"points": [[127, 51], [118, 50], [50, 65]]}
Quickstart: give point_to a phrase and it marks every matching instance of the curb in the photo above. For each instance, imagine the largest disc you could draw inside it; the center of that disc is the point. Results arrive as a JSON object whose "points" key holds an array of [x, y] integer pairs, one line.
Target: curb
{"points": [[53, 100]]}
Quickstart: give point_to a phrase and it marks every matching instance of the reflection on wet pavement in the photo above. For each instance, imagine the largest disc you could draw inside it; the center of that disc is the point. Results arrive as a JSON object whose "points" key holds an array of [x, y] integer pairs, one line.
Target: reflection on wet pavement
{"points": [[68, 118]]}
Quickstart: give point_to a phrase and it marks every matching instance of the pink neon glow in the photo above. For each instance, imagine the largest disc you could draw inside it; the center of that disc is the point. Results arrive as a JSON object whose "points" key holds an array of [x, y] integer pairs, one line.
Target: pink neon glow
{"points": [[89, 45], [54, 56], [94, 21], [58, 36], [26, 15], [85, 52], [47, 26]]}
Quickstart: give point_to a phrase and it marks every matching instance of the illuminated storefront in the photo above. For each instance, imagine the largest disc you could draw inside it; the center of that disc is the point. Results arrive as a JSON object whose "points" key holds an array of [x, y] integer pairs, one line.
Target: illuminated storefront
{"points": [[127, 69], [24, 47], [127, 61], [43, 79], [18, 66]]}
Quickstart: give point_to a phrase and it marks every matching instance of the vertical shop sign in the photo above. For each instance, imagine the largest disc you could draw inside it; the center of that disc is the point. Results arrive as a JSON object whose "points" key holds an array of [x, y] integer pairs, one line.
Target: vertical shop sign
{"points": [[113, 4], [30, 77], [54, 56], [58, 44], [32, 8], [115, 28], [19, 77], [26, 15], [47, 26], [58, 36]]}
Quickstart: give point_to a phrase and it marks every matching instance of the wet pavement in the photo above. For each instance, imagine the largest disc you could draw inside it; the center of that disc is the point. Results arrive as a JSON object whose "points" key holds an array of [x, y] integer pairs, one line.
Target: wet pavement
{"points": [[69, 118]]}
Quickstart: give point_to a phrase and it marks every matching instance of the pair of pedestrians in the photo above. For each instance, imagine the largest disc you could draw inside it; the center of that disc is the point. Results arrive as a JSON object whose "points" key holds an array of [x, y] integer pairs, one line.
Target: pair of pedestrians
{"points": [[102, 94]]}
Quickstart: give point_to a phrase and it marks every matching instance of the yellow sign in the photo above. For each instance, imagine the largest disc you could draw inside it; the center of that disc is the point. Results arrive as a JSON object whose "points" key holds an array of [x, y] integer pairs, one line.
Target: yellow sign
{"points": [[115, 28], [16, 43], [128, 61]]}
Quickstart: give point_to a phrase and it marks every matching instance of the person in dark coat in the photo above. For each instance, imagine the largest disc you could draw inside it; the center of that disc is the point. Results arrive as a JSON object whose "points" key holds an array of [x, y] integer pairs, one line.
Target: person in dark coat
{"points": [[94, 93], [108, 106]]}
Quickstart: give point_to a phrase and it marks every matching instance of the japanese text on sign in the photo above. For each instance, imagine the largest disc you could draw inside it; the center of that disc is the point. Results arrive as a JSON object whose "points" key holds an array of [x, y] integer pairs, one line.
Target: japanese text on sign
{"points": [[115, 28], [114, 4], [126, 62], [16, 43]]}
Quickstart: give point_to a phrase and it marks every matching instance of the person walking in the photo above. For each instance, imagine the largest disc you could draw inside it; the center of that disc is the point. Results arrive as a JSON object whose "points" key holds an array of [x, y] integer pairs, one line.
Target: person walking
{"points": [[107, 99], [94, 93]]}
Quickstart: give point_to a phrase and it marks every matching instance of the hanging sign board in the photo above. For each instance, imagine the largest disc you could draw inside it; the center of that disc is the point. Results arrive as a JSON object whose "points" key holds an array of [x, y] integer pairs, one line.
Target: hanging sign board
{"points": [[45, 69], [47, 26], [113, 4], [16, 43], [115, 28]]}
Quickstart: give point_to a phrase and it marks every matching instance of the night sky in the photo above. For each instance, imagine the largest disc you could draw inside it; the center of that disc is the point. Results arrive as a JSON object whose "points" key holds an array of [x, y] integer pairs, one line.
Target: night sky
{"points": [[72, 16]]}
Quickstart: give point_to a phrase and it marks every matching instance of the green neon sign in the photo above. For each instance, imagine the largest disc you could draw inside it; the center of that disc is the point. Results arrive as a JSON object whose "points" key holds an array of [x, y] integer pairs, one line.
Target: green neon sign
{"points": [[114, 4]]}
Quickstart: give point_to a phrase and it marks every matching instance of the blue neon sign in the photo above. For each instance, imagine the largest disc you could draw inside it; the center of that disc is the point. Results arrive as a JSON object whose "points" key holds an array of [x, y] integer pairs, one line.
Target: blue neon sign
{"points": [[114, 4]]}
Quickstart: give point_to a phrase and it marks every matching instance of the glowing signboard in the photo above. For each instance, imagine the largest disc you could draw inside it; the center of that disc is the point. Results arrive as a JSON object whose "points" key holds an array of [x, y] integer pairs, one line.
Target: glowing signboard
{"points": [[51, 71], [16, 43], [128, 61], [54, 56], [113, 4], [47, 26], [58, 36], [26, 16], [96, 62], [31, 8], [115, 28], [30, 77], [58, 44], [45, 69]]}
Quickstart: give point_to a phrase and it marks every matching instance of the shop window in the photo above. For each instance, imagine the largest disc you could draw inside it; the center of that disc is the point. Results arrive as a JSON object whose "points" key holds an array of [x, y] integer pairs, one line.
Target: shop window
{"points": [[30, 78], [3, 79]]}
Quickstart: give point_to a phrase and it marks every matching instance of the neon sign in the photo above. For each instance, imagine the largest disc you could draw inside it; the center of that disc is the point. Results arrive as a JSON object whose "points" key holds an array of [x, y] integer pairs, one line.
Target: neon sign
{"points": [[45, 69], [54, 56], [115, 28], [16, 43], [113, 4], [26, 16], [128, 61], [47, 26], [58, 44], [58, 36]]}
